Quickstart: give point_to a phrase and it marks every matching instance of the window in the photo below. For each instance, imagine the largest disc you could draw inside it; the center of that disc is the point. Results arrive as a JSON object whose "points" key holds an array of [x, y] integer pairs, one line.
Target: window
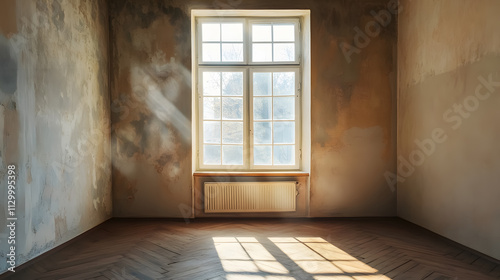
{"points": [[248, 93]]}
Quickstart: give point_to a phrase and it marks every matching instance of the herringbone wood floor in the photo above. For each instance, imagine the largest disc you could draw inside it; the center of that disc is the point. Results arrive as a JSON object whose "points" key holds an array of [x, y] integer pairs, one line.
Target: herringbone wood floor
{"points": [[259, 249]]}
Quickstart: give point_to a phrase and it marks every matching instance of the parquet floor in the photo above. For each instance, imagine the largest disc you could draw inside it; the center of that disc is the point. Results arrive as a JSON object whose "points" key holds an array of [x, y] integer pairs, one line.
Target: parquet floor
{"points": [[241, 249]]}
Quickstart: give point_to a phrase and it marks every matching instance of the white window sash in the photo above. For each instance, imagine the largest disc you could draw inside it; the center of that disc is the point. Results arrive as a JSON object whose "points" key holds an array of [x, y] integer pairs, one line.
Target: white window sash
{"points": [[297, 41], [200, 21], [297, 120], [200, 149]]}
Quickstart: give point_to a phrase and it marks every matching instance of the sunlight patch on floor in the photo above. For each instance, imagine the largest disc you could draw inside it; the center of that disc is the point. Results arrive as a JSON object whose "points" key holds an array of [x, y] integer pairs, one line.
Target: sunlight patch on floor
{"points": [[231, 251], [318, 267], [257, 252], [257, 277], [282, 257]]}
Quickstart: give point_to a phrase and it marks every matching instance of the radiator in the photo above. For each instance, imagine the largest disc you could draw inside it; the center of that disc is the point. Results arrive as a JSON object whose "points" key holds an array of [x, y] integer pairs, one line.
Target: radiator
{"points": [[233, 197]]}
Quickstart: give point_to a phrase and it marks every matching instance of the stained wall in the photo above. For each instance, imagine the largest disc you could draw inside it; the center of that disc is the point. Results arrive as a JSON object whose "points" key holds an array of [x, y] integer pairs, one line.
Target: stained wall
{"points": [[54, 121], [353, 83], [448, 132]]}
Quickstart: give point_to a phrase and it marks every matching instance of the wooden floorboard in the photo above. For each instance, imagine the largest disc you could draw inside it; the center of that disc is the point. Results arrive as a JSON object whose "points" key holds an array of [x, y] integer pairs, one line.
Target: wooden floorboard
{"points": [[255, 249]]}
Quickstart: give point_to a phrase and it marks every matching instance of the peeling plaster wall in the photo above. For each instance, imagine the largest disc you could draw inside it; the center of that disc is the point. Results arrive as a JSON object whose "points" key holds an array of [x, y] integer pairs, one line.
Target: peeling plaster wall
{"points": [[353, 108], [151, 108], [448, 79], [54, 121]]}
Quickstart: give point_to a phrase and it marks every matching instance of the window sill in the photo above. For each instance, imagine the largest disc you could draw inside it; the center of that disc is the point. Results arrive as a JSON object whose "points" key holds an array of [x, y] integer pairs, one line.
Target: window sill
{"points": [[250, 174]]}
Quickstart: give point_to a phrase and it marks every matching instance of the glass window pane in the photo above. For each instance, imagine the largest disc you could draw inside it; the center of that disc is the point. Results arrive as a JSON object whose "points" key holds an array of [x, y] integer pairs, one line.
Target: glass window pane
{"points": [[232, 132], [232, 32], [232, 52], [211, 154], [211, 108], [262, 84], [262, 155], [232, 83], [261, 32], [232, 108], [211, 83], [284, 32], [284, 52], [284, 133], [232, 155], [211, 52], [262, 108], [284, 83], [262, 52], [284, 155], [262, 132], [211, 132], [284, 108], [210, 32]]}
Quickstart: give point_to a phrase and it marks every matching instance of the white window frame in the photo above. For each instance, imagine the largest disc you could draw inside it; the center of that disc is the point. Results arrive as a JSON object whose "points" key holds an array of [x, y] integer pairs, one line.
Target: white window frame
{"points": [[248, 67]]}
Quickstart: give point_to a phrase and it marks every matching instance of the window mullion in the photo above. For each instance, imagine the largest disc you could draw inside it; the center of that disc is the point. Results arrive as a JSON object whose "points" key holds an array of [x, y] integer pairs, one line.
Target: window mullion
{"points": [[272, 113], [246, 118], [220, 51], [272, 43], [250, 118], [247, 94], [248, 44], [221, 122]]}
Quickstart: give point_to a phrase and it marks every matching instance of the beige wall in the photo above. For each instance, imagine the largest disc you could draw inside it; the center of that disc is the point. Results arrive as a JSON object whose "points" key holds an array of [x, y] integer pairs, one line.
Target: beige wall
{"points": [[352, 104], [446, 52], [54, 121]]}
